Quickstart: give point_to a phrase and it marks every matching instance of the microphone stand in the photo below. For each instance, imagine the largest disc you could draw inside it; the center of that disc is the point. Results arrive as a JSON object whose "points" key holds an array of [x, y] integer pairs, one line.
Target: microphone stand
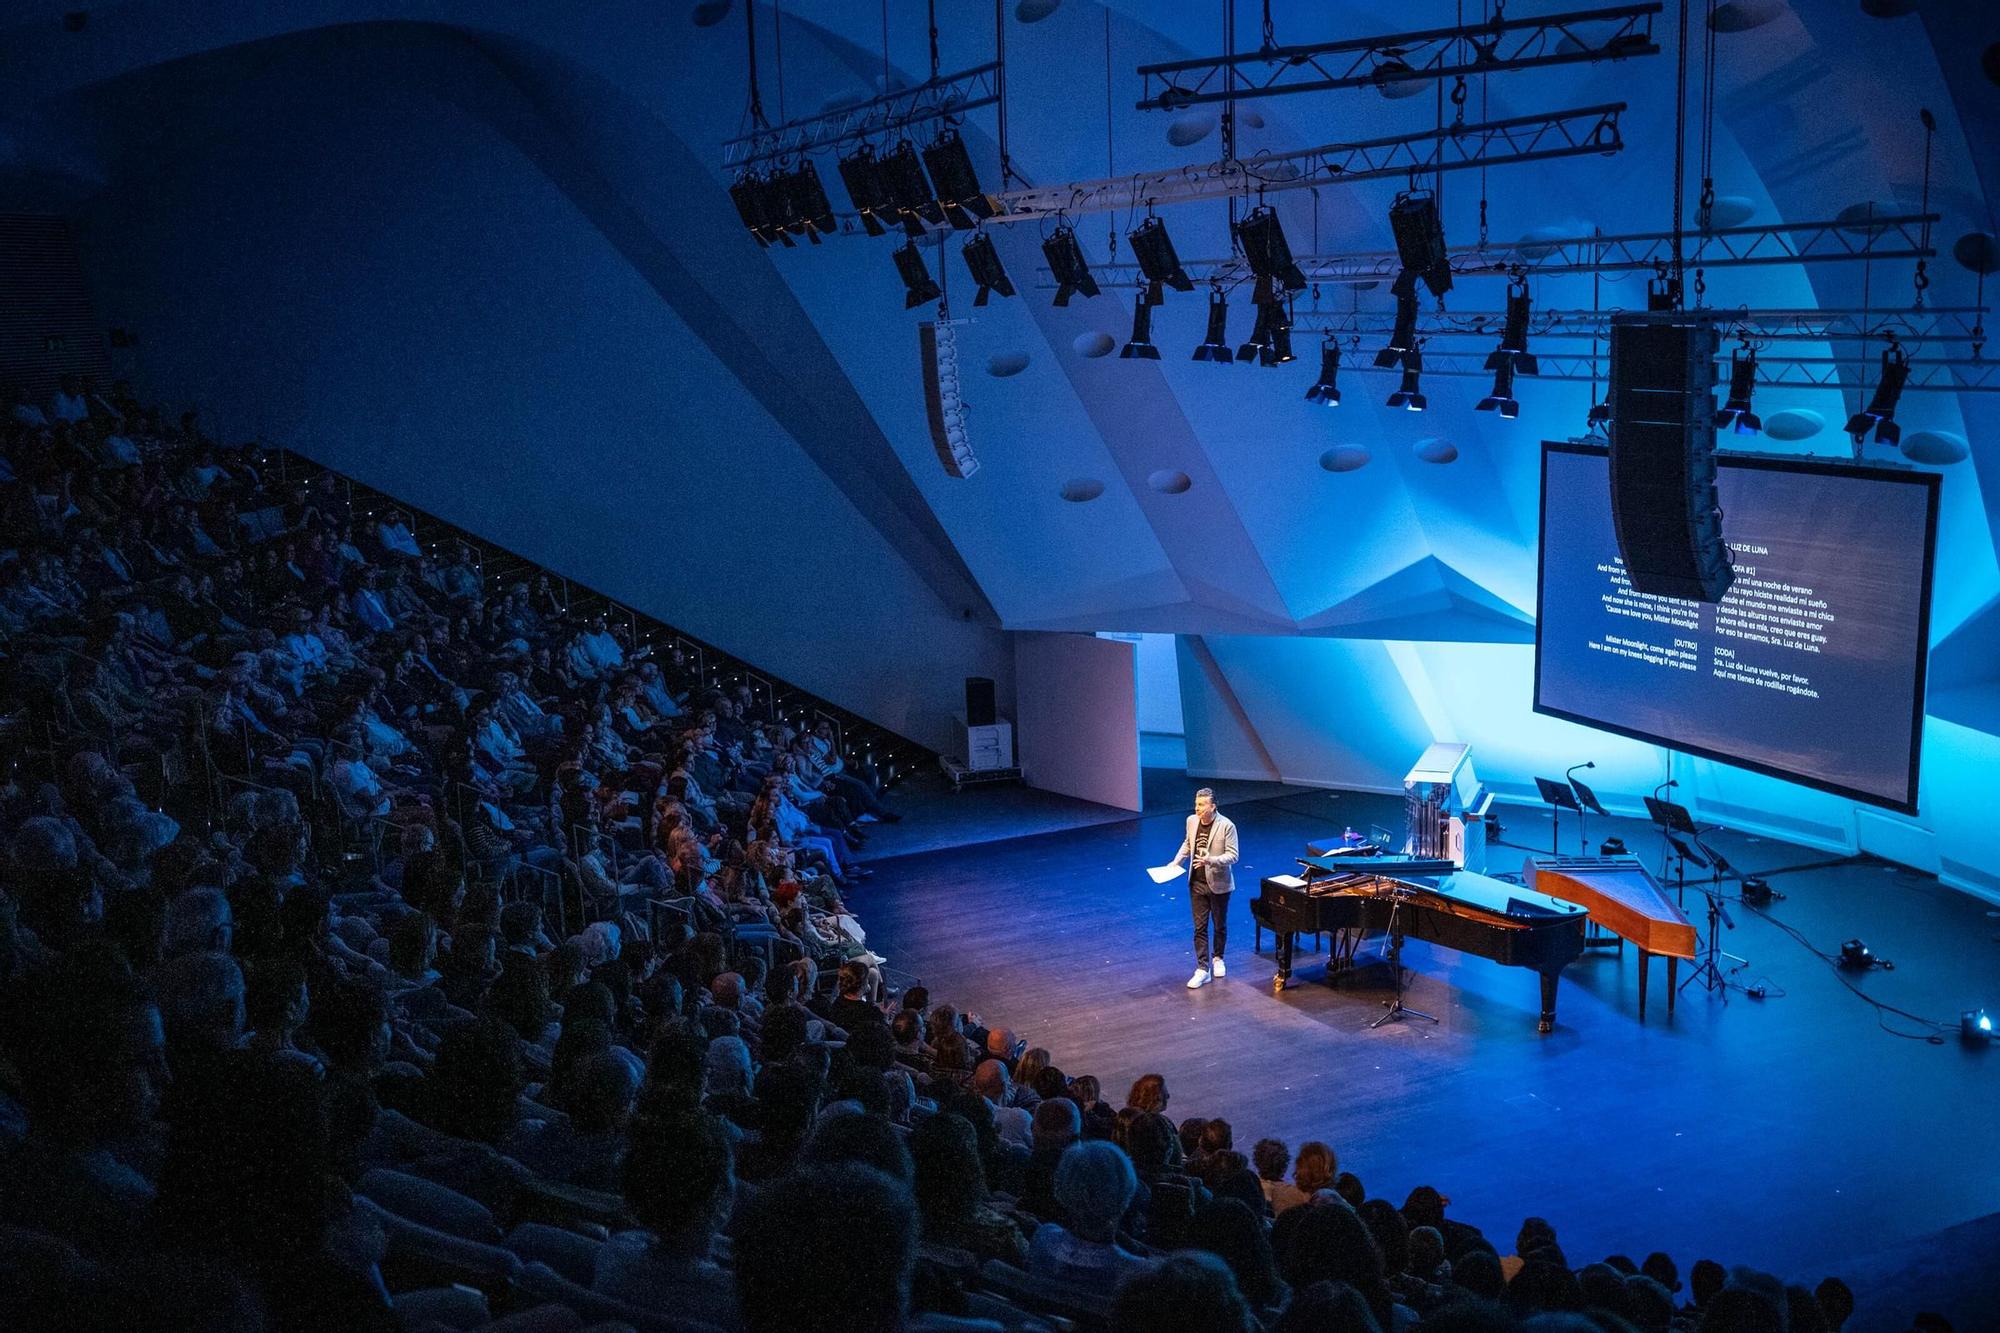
{"points": [[1582, 815]]}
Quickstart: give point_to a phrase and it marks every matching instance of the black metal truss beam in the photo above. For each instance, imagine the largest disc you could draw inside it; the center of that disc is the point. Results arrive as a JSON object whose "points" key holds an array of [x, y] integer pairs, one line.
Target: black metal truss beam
{"points": [[1579, 37], [947, 96], [1532, 138], [1955, 324], [1941, 375]]}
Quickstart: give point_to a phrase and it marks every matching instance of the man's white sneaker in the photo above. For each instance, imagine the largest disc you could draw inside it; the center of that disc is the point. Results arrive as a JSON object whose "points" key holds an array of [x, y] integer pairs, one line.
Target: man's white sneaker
{"points": [[1199, 979], [867, 819], [1219, 969]]}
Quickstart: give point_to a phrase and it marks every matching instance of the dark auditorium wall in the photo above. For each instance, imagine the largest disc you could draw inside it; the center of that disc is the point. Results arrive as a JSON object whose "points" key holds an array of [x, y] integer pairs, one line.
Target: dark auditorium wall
{"points": [[389, 256]]}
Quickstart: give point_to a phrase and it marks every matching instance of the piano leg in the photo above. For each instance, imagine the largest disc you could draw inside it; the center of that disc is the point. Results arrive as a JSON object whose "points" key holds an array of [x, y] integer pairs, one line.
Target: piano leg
{"points": [[1548, 1022], [1644, 958], [1282, 941], [1673, 966]]}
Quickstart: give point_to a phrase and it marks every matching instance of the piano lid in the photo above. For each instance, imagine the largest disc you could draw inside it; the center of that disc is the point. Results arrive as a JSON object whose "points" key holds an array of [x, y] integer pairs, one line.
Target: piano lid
{"points": [[1497, 896]]}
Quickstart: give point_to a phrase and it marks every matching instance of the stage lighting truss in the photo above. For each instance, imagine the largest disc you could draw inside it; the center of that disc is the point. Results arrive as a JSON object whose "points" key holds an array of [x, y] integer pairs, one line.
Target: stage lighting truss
{"points": [[1497, 46], [918, 286], [1736, 412], [1066, 261], [1215, 343], [1326, 389], [983, 262], [1409, 394], [1141, 345], [1880, 414]]}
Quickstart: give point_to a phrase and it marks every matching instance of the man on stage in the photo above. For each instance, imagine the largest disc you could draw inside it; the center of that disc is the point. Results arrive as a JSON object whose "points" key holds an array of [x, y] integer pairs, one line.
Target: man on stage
{"points": [[1211, 842]]}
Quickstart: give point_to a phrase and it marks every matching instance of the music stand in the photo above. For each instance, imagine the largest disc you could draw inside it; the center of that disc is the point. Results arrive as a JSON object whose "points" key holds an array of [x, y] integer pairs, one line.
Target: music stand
{"points": [[1682, 855], [1589, 802], [1559, 798], [1672, 818]]}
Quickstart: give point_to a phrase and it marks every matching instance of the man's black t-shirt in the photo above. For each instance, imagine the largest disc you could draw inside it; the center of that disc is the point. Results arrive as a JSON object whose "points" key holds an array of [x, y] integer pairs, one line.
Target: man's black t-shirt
{"points": [[1200, 877]]}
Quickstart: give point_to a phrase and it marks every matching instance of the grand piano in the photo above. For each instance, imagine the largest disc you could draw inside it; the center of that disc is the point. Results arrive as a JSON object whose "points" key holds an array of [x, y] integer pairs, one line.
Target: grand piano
{"points": [[1622, 896], [1433, 901]]}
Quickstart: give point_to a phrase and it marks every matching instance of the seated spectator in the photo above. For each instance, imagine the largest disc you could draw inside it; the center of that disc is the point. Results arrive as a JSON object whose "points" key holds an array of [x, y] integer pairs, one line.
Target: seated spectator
{"points": [[951, 1193], [588, 1148], [679, 1185], [1190, 1292], [1011, 1122], [792, 1271], [1057, 1125], [1094, 1186], [1330, 1244], [1229, 1230], [1314, 1169], [1271, 1157]]}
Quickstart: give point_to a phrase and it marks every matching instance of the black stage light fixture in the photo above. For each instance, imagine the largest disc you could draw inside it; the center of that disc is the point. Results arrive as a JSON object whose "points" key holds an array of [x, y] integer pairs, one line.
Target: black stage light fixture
{"points": [[1880, 414], [1278, 351], [1326, 389], [1742, 384], [1215, 345], [1612, 847], [1154, 250], [1066, 261], [811, 211], [1855, 957], [1975, 1027], [1404, 336], [1409, 394], [862, 175], [904, 184], [761, 206], [1597, 419], [1419, 231], [1756, 891], [1141, 345], [1514, 334], [1266, 250], [917, 284], [1260, 331], [1501, 400], [983, 262], [956, 183]]}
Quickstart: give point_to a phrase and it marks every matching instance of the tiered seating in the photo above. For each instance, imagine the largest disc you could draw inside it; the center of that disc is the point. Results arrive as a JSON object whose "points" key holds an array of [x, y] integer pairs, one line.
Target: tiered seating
{"points": [[506, 971]]}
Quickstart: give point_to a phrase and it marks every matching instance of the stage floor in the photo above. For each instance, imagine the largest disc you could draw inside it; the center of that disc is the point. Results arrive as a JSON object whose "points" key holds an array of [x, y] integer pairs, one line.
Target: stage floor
{"points": [[1790, 1132]]}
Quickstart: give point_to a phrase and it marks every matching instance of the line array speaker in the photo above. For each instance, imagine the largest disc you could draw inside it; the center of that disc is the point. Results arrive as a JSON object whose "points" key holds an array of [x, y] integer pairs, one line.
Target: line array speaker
{"points": [[1663, 502]]}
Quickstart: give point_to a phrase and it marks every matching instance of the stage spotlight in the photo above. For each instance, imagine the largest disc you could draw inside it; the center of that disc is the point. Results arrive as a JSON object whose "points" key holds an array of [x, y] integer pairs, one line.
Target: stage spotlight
{"points": [[1215, 346], [811, 211], [1597, 419], [1404, 336], [1880, 414], [983, 262], [1975, 1027], [1278, 351], [904, 184], [1514, 334], [917, 284], [1326, 389], [954, 180], [1409, 394], [1742, 384], [761, 207], [1154, 250], [1501, 400], [1141, 346], [862, 175], [1419, 231], [1265, 248], [1066, 261], [1260, 332]]}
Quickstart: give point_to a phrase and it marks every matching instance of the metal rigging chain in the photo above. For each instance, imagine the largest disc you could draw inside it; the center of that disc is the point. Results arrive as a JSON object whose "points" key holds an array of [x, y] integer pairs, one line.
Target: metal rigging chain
{"points": [[1482, 221], [1700, 285], [1270, 32], [1458, 96], [1923, 278]]}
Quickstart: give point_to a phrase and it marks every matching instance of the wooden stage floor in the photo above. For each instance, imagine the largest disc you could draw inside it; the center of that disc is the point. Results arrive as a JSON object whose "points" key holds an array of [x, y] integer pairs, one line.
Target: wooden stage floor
{"points": [[1790, 1132]]}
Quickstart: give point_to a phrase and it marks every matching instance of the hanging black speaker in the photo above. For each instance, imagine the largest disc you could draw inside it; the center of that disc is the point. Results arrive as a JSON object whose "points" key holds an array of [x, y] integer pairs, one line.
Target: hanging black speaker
{"points": [[1663, 502]]}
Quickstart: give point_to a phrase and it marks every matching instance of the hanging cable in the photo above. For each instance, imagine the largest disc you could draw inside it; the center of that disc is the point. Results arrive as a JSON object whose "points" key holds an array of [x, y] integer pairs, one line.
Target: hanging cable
{"points": [[885, 44], [1000, 88], [756, 109], [1270, 32], [934, 42], [1110, 157], [1680, 149], [1229, 108], [1923, 279], [778, 52], [1704, 209], [1484, 117]]}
